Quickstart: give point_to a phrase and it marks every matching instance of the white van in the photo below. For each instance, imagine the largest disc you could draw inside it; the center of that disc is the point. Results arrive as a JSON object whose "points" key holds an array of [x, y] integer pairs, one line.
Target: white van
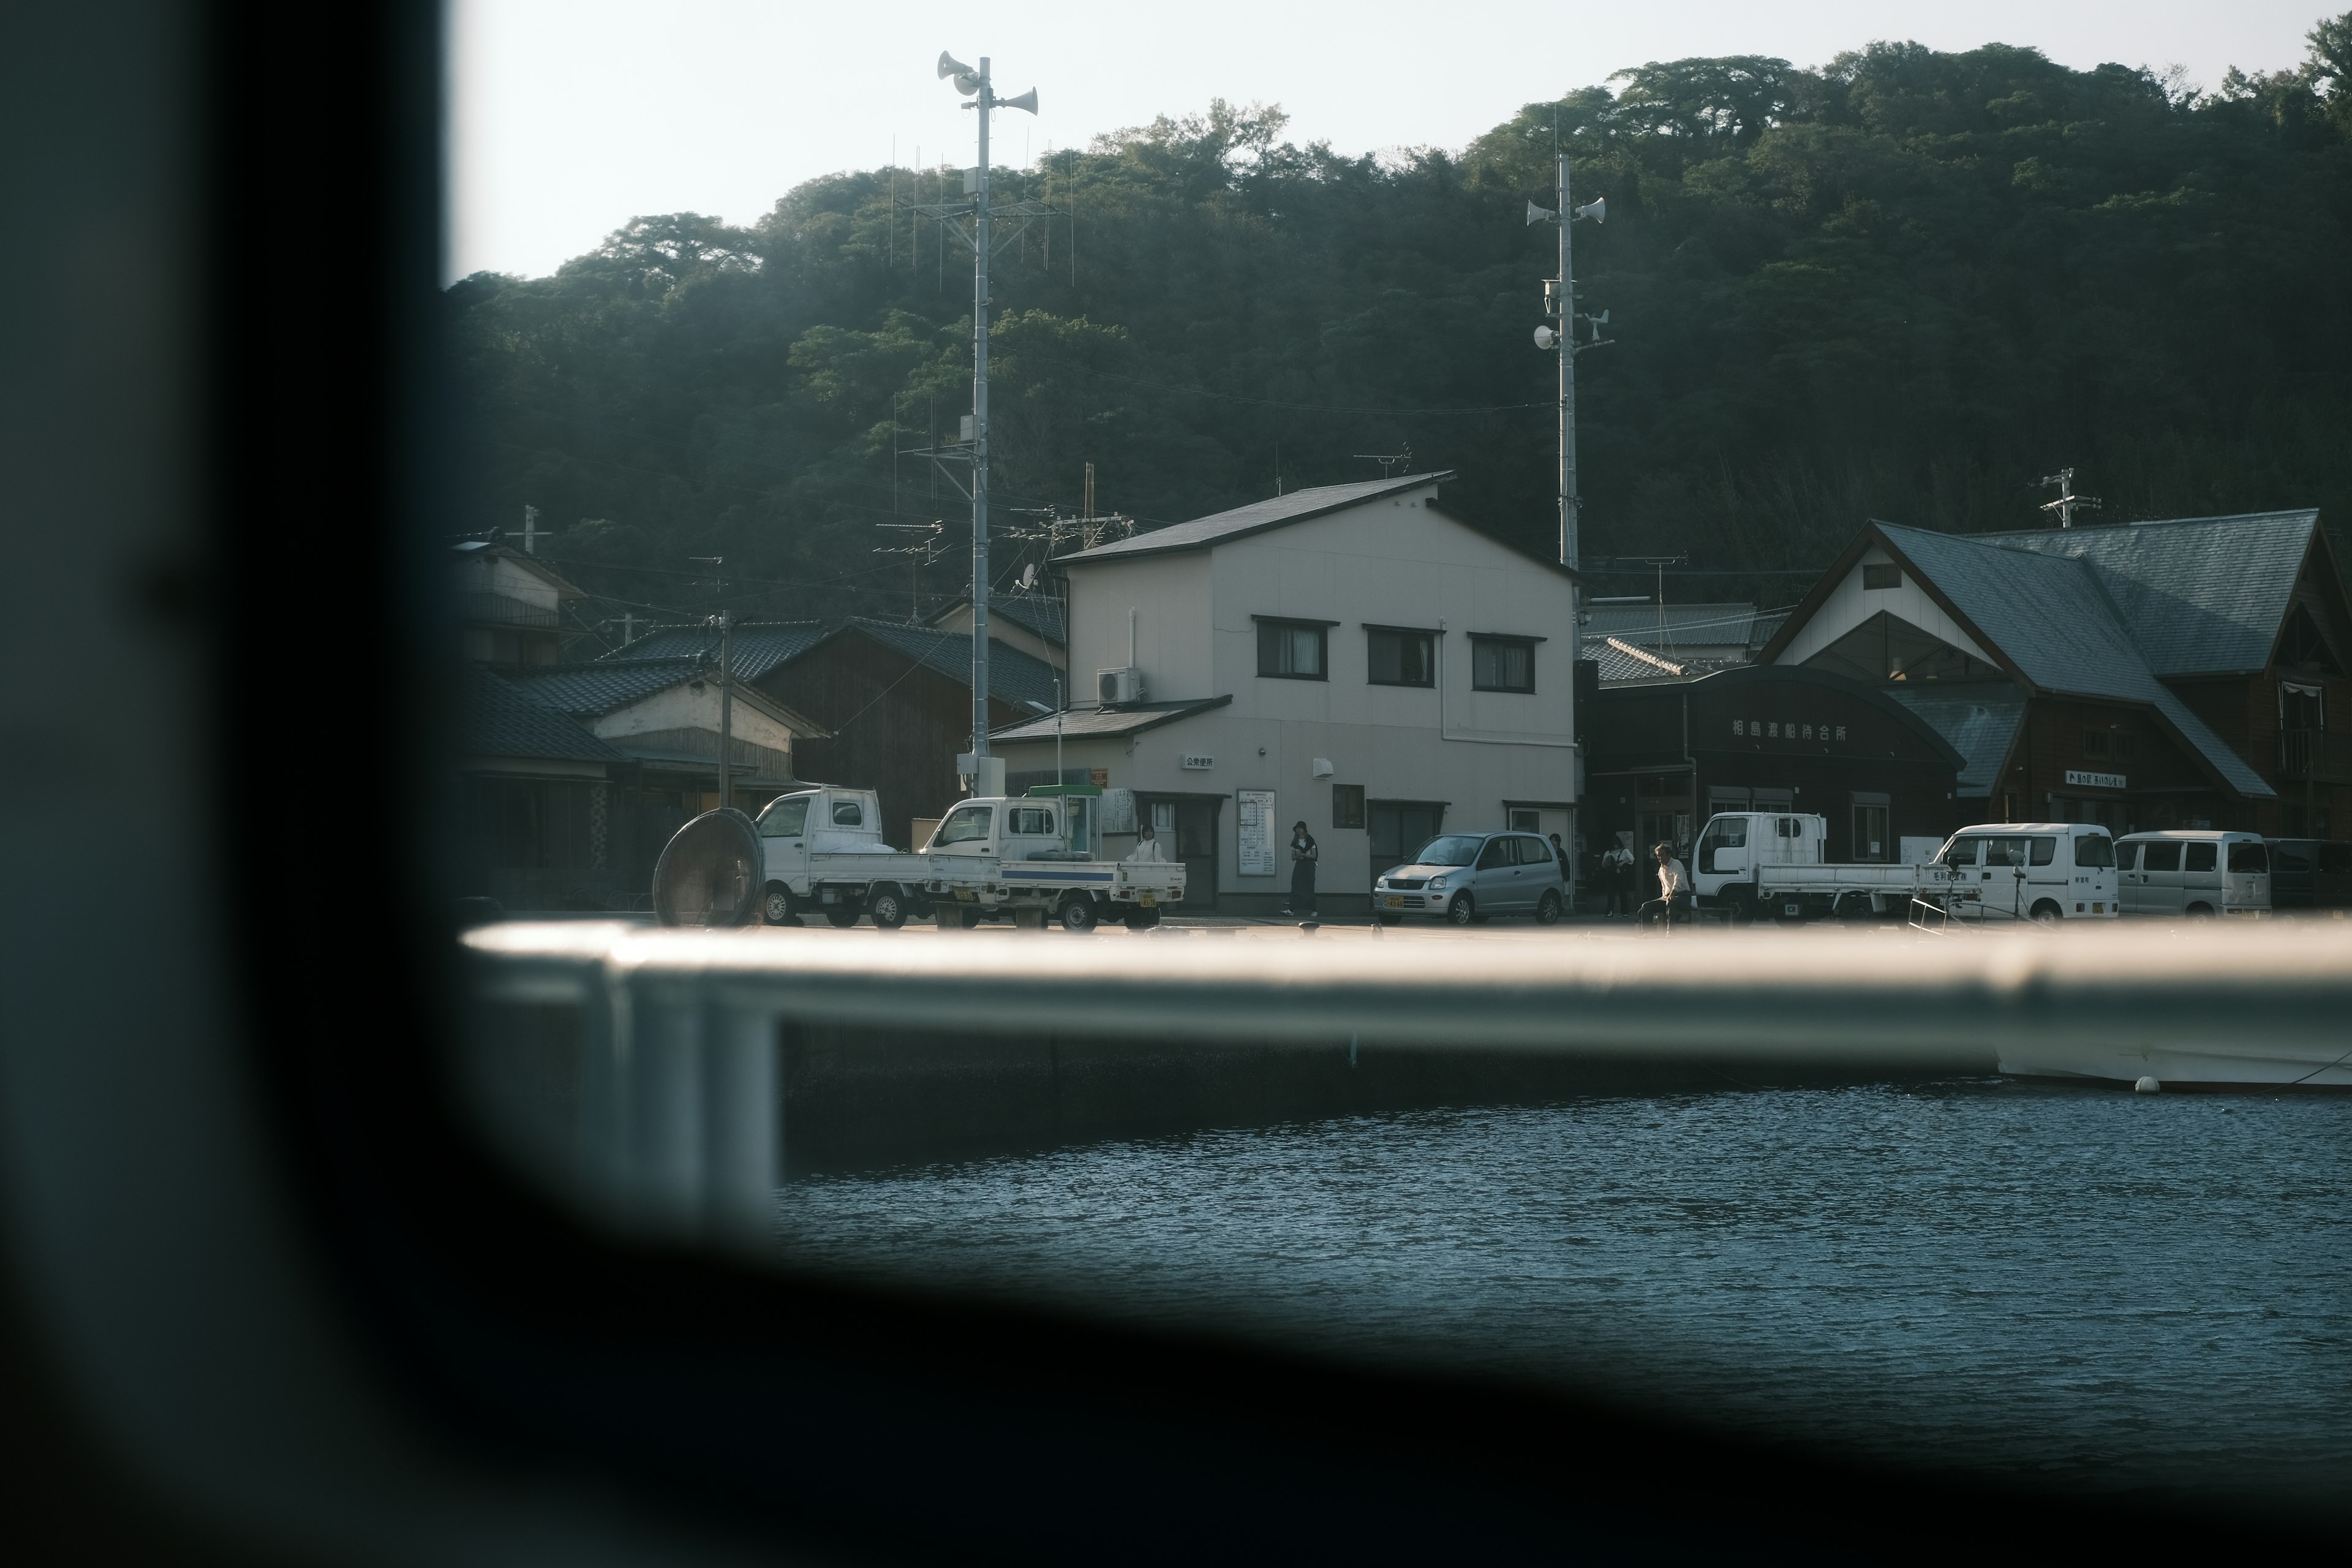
{"points": [[2046, 871], [2198, 872]]}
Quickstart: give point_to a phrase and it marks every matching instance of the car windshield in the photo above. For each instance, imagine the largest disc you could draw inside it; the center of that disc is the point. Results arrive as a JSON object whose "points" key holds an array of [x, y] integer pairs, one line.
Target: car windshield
{"points": [[965, 825], [786, 818], [1452, 849]]}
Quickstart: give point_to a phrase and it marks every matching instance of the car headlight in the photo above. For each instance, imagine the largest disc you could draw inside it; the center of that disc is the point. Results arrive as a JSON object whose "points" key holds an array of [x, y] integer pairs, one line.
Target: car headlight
{"points": [[1437, 883]]}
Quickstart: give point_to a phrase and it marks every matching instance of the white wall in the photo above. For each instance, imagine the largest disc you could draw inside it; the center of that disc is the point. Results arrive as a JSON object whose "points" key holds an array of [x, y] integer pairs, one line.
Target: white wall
{"points": [[1850, 604], [1170, 595], [1393, 562]]}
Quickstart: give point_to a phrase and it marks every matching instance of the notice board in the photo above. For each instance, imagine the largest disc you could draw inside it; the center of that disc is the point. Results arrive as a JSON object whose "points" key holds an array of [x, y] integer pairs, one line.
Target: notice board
{"points": [[1256, 832]]}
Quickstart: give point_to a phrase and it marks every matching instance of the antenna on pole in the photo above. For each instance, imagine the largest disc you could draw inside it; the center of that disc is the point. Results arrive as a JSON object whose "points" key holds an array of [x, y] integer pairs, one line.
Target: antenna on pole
{"points": [[2068, 503], [1390, 462], [531, 530], [978, 86]]}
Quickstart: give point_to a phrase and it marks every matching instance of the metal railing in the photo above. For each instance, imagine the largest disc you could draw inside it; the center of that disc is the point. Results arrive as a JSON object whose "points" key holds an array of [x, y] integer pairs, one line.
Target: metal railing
{"points": [[641, 1071]]}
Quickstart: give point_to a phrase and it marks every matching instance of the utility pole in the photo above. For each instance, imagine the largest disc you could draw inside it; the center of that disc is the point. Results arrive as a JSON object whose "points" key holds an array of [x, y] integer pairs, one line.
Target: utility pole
{"points": [[1559, 305], [726, 691], [2068, 503], [531, 530], [978, 87]]}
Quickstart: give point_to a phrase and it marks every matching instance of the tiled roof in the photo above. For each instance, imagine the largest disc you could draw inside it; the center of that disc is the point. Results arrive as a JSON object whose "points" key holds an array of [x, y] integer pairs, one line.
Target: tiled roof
{"points": [[592, 690], [2197, 595], [1128, 721], [1218, 527], [1980, 719], [497, 718], [1013, 677], [2048, 614], [754, 648]]}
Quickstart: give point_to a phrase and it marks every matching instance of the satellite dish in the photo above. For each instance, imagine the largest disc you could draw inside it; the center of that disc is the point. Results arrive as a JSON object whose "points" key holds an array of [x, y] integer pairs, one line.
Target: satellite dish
{"points": [[1027, 100], [1029, 575], [708, 873], [1537, 215], [1546, 337], [951, 66], [1598, 212]]}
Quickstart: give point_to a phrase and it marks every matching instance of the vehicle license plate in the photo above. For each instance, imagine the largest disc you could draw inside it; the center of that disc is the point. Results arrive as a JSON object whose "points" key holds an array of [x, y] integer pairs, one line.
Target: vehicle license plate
{"points": [[967, 895], [1149, 900], [1396, 901]]}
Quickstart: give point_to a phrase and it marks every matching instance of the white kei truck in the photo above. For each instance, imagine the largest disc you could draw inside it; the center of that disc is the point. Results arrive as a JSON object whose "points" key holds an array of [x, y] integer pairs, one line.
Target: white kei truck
{"points": [[1775, 864], [821, 852]]}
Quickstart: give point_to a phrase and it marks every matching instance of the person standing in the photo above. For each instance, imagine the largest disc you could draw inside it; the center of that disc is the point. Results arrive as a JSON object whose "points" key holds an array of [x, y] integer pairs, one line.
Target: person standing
{"points": [[1304, 853], [1674, 887], [1617, 875], [1567, 882], [1147, 850]]}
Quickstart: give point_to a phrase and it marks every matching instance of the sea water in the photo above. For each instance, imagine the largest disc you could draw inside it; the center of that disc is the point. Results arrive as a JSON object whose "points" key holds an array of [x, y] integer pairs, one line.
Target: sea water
{"points": [[2099, 1290]]}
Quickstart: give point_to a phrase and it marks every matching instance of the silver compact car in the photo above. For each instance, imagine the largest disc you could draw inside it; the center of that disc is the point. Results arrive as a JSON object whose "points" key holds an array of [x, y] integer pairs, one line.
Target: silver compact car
{"points": [[1467, 876]]}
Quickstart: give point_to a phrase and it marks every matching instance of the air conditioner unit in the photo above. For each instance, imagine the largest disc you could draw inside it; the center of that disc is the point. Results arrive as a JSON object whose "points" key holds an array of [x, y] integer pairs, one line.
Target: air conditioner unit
{"points": [[1114, 687]]}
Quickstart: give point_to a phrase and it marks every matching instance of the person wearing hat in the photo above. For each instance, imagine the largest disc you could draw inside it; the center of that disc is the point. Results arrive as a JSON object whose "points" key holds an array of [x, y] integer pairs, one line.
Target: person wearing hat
{"points": [[1304, 853]]}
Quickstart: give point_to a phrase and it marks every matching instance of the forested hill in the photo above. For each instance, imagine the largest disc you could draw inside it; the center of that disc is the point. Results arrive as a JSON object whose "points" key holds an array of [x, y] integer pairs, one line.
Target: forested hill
{"points": [[1903, 285]]}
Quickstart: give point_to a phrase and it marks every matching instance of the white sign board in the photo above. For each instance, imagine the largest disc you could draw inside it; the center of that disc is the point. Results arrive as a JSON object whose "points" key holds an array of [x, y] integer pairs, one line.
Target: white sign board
{"points": [[1256, 832], [2095, 781], [1197, 763]]}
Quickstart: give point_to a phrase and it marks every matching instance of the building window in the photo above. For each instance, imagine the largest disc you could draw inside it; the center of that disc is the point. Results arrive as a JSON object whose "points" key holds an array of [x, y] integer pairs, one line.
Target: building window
{"points": [[1502, 664], [1291, 651], [1398, 657], [1882, 576], [1347, 805], [2094, 742]]}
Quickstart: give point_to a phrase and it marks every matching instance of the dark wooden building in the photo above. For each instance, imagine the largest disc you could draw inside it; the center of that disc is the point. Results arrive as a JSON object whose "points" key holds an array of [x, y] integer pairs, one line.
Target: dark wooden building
{"points": [[897, 700], [2186, 673], [1662, 757]]}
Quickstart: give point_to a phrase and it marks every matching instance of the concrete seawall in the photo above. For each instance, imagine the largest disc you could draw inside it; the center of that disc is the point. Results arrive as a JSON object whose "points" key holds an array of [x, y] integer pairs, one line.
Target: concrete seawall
{"points": [[858, 1098]]}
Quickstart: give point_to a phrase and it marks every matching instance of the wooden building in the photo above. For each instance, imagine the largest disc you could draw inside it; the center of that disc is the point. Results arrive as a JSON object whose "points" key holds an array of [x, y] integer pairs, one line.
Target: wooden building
{"points": [[2187, 673], [895, 701], [1666, 755]]}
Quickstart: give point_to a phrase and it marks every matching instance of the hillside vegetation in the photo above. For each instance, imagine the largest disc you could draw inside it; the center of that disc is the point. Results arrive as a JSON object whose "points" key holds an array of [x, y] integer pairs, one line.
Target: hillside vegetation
{"points": [[1904, 285]]}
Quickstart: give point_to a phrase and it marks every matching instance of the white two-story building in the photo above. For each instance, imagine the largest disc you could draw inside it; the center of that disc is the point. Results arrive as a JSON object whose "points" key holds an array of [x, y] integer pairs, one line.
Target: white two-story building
{"points": [[1351, 656]]}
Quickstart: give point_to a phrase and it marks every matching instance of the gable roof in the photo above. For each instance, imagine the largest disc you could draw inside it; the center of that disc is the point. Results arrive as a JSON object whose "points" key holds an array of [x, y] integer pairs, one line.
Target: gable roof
{"points": [[485, 550], [1257, 517], [1978, 720], [1039, 613], [592, 690], [2198, 595], [2045, 618], [754, 648], [1013, 677], [495, 718]]}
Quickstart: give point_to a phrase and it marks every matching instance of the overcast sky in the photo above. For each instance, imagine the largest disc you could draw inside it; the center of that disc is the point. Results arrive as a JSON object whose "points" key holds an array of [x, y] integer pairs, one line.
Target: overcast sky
{"points": [[569, 117]]}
